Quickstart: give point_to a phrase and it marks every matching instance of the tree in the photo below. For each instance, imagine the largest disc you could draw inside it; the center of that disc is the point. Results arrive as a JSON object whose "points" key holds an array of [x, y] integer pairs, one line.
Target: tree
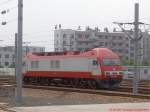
{"points": [[12, 65], [1, 66]]}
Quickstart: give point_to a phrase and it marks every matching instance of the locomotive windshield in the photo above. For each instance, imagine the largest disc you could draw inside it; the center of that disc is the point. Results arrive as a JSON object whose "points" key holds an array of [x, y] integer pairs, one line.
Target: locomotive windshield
{"points": [[111, 62]]}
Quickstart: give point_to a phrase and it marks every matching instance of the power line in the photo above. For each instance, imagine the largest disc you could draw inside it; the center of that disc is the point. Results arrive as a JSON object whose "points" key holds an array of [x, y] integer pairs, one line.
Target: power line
{"points": [[5, 2], [8, 10]]}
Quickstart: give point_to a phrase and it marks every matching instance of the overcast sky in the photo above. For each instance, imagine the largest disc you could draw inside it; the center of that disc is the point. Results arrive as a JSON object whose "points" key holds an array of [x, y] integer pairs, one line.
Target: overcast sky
{"points": [[40, 16]]}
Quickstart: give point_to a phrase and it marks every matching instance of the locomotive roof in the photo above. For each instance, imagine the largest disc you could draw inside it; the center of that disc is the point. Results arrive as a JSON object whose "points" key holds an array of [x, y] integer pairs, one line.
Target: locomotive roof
{"points": [[93, 52]]}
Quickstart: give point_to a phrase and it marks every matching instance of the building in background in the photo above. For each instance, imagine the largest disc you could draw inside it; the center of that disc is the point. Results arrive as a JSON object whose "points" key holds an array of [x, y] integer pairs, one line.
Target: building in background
{"points": [[78, 40], [7, 54]]}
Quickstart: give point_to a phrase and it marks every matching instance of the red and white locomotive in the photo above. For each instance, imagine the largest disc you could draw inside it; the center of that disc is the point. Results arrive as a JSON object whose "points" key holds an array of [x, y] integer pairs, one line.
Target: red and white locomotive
{"points": [[99, 67]]}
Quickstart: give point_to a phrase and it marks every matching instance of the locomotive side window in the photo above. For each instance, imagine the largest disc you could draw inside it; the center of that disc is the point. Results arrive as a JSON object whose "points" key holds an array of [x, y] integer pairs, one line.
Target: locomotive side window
{"points": [[55, 64], [95, 62], [52, 64], [34, 64]]}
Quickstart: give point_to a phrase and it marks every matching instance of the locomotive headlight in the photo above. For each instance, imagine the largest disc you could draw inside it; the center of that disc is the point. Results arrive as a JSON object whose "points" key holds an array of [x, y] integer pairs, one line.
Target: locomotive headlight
{"points": [[121, 73], [107, 73]]}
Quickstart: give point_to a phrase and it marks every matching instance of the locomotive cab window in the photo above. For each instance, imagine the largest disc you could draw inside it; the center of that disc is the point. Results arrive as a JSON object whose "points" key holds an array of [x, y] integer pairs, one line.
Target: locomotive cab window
{"points": [[95, 63], [35, 64], [106, 61], [111, 62]]}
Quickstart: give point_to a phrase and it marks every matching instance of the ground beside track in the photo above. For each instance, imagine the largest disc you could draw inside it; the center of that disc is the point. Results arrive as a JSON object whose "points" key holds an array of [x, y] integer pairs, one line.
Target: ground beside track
{"points": [[38, 97]]}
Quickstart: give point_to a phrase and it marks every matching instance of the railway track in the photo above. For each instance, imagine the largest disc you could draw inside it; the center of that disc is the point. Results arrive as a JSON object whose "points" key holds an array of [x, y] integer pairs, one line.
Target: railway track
{"points": [[5, 109], [90, 91], [7, 80], [125, 88]]}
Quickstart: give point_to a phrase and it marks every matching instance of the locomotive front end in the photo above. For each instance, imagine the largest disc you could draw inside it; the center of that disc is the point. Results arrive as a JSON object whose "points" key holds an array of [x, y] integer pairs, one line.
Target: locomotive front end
{"points": [[111, 67], [113, 72]]}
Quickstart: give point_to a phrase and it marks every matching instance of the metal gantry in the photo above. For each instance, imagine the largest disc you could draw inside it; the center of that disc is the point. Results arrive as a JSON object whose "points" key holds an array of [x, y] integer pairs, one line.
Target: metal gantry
{"points": [[136, 38]]}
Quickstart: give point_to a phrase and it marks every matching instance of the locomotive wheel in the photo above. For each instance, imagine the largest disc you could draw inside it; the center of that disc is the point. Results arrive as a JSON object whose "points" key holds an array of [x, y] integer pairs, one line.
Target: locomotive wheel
{"points": [[91, 84], [75, 83], [49, 81], [82, 83]]}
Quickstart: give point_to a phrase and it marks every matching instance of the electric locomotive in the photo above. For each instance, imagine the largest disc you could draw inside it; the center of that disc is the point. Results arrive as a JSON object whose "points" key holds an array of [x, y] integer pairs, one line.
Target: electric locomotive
{"points": [[97, 68]]}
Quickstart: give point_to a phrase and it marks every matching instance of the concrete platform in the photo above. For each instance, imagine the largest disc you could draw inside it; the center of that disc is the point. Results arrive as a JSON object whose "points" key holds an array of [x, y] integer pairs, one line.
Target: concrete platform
{"points": [[121, 107]]}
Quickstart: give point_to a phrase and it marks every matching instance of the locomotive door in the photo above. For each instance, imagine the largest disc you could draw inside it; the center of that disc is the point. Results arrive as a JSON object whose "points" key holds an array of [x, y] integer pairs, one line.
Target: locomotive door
{"points": [[95, 67]]}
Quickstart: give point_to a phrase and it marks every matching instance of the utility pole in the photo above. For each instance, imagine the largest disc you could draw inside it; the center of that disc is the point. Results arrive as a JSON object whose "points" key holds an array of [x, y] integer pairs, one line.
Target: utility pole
{"points": [[136, 31], [19, 53], [16, 40]]}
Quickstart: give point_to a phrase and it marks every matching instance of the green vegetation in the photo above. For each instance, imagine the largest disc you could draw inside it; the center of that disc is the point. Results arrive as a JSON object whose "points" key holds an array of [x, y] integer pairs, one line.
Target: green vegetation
{"points": [[131, 62], [1, 66]]}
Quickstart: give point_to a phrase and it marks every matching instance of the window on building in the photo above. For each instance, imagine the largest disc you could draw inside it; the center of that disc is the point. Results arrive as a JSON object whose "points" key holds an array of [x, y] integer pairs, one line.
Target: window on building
{"points": [[114, 44], [132, 48], [106, 43], [64, 49], [71, 43], [6, 55], [86, 43], [34, 64], [113, 37], [120, 44], [64, 36], [79, 36], [64, 42], [106, 37], [57, 35], [72, 36], [57, 42], [34, 49], [127, 38], [145, 71], [132, 42], [0, 55], [120, 50], [56, 49], [80, 49], [41, 50], [120, 38], [101, 43], [87, 36], [13, 56], [132, 54], [100, 36], [6, 63]]}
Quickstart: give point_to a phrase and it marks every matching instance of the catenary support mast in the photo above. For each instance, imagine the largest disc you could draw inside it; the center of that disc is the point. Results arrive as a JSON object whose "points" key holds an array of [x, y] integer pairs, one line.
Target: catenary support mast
{"points": [[19, 53]]}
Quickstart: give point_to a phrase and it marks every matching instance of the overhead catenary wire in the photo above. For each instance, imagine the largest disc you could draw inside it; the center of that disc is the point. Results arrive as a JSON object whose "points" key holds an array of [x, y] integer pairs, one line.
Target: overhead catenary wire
{"points": [[5, 2], [7, 10]]}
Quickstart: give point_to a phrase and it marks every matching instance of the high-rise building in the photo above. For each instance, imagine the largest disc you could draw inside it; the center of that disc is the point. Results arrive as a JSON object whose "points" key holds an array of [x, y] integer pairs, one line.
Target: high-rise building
{"points": [[119, 42]]}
